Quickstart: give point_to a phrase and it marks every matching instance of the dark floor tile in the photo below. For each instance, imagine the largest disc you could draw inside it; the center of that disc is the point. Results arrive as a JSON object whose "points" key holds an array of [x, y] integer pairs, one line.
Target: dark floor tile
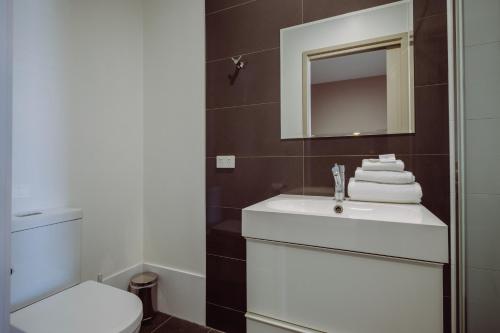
{"points": [[431, 50], [176, 325], [253, 180], [226, 282], [257, 82], [158, 319], [424, 8], [225, 319], [216, 5], [249, 28], [248, 131], [320, 9], [224, 233]]}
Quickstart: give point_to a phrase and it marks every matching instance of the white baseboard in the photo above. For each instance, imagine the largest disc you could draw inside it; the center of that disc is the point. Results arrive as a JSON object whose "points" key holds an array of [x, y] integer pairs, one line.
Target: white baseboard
{"points": [[180, 293], [121, 279]]}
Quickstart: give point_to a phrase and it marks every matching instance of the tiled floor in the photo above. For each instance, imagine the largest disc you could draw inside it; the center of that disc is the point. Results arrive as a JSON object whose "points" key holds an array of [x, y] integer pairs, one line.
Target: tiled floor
{"points": [[163, 323]]}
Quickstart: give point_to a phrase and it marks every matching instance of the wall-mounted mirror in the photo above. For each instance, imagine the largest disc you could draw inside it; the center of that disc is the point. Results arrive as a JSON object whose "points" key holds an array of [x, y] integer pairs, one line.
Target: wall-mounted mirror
{"points": [[349, 75]]}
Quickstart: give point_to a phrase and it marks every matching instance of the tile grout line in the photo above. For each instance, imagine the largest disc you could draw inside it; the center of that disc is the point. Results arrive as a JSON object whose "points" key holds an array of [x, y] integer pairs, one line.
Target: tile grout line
{"points": [[225, 307], [487, 269], [225, 257], [163, 323], [235, 106], [223, 207], [482, 43], [431, 85], [484, 118], [230, 7], [484, 194], [321, 156], [429, 16], [240, 106], [243, 54], [257, 156]]}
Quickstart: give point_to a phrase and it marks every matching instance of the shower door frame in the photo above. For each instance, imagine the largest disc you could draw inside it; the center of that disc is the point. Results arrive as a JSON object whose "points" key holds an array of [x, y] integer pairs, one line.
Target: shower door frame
{"points": [[459, 71]]}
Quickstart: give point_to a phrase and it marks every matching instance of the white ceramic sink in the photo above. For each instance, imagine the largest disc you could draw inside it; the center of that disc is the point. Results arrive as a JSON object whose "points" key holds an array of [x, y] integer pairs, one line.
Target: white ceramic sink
{"points": [[396, 230]]}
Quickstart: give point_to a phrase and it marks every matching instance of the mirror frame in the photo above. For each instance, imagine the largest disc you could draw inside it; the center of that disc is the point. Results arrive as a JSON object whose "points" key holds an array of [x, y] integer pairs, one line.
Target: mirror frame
{"points": [[401, 40]]}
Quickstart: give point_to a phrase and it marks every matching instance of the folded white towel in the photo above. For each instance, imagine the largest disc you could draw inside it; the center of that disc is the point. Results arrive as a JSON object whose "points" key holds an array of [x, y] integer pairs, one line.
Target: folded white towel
{"points": [[387, 158], [387, 177], [395, 193], [376, 165]]}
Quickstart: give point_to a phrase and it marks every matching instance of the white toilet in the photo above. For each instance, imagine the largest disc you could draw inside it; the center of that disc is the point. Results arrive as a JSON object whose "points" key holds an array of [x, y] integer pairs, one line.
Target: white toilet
{"points": [[46, 293]]}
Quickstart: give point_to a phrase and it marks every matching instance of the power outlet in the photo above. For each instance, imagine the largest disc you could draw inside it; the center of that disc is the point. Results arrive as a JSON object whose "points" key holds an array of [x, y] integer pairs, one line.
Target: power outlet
{"points": [[226, 162]]}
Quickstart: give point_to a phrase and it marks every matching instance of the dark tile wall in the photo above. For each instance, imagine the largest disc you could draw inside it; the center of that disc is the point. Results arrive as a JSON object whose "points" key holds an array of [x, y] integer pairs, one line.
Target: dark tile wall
{"points": [[244, 120]]}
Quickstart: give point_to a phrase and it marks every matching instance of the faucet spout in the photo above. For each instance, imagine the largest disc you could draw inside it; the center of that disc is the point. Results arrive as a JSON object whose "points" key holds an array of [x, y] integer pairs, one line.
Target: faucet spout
{"points": [[338, 172]]}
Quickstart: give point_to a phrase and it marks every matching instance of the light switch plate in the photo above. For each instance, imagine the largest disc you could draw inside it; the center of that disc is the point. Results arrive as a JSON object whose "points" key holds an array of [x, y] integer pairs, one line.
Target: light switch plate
{"points": [[226, 161]]}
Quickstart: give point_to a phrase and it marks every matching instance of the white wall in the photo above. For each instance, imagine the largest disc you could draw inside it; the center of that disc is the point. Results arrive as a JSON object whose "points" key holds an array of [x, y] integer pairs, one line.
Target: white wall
{"points": [[78, 120], [482, 162], [174, 147], [110, 117], [174, 134], [5, 158]]}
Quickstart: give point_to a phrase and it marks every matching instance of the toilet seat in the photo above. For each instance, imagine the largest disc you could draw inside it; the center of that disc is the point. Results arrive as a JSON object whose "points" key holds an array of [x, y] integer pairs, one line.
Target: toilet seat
{"points": [[87, 307]]}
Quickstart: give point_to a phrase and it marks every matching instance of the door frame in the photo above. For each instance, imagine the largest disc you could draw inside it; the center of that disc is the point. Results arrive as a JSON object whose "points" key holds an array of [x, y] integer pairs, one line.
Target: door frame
{"points": [[5, 158]]}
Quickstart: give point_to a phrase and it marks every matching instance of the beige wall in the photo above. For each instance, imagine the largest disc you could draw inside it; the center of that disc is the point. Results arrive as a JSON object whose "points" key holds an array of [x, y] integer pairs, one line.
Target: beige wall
{"points": [[344, 107]]}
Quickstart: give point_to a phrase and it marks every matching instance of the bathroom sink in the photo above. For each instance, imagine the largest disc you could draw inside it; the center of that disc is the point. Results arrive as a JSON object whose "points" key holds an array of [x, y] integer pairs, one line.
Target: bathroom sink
{"points": [[351, 209], [396, 230]]}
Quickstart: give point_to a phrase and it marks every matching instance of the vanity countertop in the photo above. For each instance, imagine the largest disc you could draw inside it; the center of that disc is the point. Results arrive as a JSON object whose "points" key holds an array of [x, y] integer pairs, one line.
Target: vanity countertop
{"points": [[407, 231]]}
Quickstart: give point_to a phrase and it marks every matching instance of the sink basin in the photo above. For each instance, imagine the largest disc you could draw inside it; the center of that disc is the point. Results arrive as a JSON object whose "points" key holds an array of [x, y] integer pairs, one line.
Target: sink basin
{"points": [[352, 209], [396, 230]]}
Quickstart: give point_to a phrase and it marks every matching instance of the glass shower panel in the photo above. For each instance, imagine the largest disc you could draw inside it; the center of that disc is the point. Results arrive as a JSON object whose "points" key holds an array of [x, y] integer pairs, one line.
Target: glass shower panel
{"points": [[481, 51]]}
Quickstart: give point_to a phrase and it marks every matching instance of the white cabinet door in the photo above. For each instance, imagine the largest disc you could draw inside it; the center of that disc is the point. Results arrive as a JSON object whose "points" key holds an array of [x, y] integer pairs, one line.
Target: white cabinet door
{"points": [[335, 291]]}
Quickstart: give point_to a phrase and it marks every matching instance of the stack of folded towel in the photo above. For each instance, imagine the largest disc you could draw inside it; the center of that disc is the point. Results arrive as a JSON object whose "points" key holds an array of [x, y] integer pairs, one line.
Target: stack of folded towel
{"points": [[384, 180]]}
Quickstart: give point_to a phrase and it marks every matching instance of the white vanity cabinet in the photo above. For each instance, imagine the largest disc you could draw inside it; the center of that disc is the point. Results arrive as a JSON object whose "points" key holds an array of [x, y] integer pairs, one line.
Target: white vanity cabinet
{"points": [[375, 268]]}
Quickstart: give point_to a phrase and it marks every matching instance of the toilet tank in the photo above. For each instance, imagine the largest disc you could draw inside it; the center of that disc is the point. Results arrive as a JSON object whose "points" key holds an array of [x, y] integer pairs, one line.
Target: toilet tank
{"points": [[45, 256]]}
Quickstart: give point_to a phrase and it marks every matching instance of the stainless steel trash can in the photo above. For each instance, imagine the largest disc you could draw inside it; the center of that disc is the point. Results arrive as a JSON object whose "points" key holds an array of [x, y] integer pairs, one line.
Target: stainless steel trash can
{"points": [[142, 285]]}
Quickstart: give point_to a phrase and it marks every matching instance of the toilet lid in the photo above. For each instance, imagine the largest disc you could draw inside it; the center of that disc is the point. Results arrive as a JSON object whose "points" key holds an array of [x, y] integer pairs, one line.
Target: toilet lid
{"points": [[87, 307]]}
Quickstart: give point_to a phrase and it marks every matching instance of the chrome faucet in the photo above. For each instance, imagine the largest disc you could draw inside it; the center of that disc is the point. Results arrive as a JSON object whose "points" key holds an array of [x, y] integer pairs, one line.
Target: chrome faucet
{"points": [[338, 172]]}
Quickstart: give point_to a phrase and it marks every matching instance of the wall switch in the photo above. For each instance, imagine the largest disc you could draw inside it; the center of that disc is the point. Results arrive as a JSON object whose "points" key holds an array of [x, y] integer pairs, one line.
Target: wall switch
{"points": [[226, 162]]}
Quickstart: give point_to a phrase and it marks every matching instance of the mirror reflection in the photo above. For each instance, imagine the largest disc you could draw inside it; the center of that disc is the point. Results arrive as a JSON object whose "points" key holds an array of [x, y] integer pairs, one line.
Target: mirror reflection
{"points": [[360, 89], [349, 94]]}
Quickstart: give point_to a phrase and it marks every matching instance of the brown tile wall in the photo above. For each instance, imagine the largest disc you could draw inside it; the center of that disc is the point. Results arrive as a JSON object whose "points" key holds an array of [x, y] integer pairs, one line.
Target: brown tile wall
{"points": [[244, 120]]}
